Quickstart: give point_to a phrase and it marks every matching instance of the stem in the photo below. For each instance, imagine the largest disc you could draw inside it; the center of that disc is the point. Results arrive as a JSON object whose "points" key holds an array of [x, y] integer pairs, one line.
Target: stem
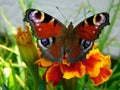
{"points": [[70, 84]]}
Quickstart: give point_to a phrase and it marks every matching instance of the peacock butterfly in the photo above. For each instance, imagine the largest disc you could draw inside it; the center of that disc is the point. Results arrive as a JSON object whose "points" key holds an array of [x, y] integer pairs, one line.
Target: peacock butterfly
{"points": [[55, 40]]}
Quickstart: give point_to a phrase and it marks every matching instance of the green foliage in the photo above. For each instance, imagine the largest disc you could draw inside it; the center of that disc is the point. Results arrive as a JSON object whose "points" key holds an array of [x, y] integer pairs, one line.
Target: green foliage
{"points": [[14, 74]]}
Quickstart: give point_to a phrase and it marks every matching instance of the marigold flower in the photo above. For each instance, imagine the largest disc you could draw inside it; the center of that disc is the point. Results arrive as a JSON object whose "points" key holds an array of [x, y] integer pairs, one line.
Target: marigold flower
{"points": [[27, 48], [96, 65]]}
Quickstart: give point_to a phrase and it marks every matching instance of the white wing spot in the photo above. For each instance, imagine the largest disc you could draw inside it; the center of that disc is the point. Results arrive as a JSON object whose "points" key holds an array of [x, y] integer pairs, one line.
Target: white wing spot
{"points": [[93, 31], [96, 27], [39, 29], [37, 24]]}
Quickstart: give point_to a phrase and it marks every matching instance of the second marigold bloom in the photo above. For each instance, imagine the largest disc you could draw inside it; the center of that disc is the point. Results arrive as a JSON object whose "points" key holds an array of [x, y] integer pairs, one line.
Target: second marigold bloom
{"points": [[28, 53], [96, 65]]}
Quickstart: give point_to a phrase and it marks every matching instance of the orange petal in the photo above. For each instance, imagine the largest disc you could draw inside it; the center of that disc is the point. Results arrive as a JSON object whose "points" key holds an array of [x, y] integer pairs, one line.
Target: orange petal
{"points": [[94, 51], [54, 74], [104, 75], [42, 62], [65, 61], [73, 70], [93, 65], [95, 45], [107, 61]]}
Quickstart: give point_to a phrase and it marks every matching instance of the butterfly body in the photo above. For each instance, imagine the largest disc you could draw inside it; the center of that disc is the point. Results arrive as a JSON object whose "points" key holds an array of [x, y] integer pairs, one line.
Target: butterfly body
{"points": [[55, 40]]}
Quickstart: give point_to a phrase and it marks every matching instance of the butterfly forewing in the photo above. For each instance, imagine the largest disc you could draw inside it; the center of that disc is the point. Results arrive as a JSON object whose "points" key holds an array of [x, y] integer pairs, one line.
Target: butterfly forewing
{"points": [[43, 25], [90, 28]]}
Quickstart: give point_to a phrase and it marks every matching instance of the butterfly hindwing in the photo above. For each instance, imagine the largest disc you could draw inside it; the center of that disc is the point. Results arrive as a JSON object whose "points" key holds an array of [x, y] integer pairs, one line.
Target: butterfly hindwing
{"points": [[79, 50], [51, 50]]}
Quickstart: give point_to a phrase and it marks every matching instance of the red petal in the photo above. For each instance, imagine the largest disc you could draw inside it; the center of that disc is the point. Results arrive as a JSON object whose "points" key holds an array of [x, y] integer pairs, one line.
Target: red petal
{"points": [[104, 75], [54, 74], [93, 65]]}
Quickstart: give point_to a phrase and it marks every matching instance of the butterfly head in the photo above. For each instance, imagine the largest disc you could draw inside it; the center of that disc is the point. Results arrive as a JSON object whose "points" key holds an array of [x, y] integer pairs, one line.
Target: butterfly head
{"points": [[70, 26]]}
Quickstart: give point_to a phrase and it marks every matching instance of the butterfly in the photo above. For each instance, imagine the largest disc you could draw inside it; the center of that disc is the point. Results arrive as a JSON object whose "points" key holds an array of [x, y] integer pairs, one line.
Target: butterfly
{"points": [[55, 40]]}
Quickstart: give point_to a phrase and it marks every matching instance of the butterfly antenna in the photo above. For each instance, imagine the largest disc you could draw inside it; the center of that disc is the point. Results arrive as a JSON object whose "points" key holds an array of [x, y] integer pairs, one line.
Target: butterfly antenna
{"points": [[82, 16], [62, 14]]}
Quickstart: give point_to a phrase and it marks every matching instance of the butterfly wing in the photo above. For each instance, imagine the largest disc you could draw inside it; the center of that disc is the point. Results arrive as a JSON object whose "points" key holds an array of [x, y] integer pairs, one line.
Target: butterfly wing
{"points": [[90, 28], [51, 50], [79, 50], [87, 31], [43, 25], [47, 29]]}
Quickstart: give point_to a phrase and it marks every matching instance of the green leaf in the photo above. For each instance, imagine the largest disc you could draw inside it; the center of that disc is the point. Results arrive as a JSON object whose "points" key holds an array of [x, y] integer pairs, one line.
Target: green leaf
{"points": [[42, 86], [4, 87]]}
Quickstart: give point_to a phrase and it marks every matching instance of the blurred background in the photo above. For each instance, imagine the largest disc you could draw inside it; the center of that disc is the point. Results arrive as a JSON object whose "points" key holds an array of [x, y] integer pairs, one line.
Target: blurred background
{"points": [[12, 13], [70, 9]]}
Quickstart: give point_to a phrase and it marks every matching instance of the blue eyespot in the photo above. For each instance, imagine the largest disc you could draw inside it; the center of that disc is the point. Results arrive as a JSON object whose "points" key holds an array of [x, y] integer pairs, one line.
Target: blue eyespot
{"points": [[45, 43], [86, 45]]}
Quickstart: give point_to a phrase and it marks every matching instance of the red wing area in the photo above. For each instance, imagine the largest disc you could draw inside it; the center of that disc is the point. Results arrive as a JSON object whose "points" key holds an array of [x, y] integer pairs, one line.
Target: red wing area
{"points": [[43, 25], [75, 53], [56, 50], [46, 30], [88, 32], [90, 28], [51, 51]]}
